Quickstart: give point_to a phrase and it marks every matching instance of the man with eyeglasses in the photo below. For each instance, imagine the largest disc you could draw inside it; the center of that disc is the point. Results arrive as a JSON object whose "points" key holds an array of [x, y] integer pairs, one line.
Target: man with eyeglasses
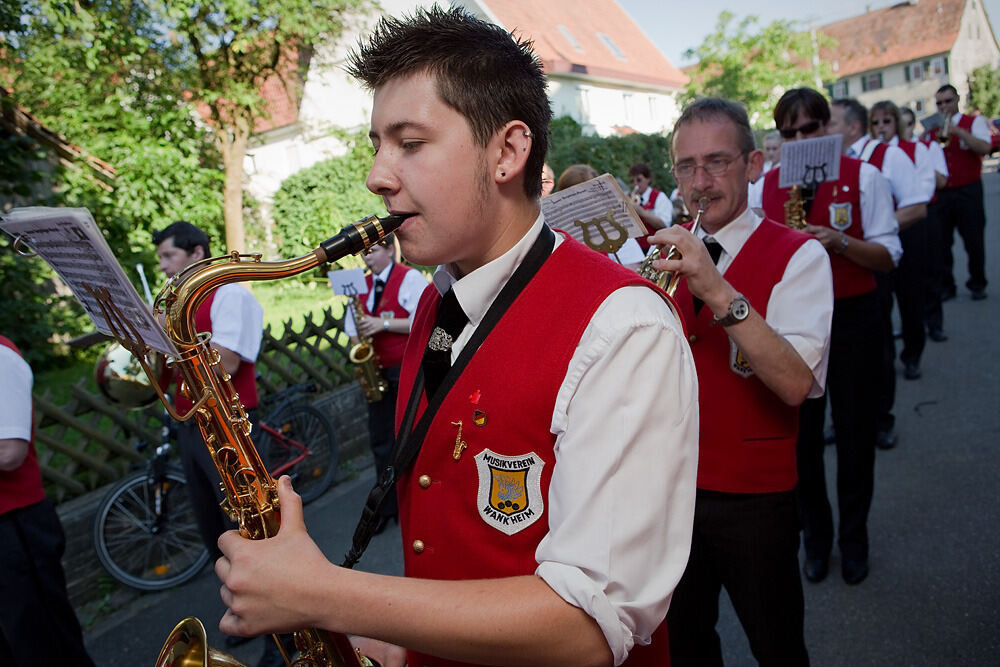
{"points": [[853, 219], [966, 140], [757, 298]]}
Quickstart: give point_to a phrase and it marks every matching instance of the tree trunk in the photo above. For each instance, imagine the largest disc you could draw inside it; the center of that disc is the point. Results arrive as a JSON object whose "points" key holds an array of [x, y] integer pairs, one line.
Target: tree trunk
{"points": [[233, 146]]}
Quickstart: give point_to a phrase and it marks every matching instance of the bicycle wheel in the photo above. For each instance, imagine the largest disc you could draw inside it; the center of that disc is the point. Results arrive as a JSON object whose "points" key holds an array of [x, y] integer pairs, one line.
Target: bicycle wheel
{"points": [[141, 548], [308, 426]]}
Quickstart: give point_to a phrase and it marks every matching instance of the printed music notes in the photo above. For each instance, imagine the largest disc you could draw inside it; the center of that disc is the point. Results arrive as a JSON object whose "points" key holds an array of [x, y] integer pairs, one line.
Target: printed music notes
{"points": [[595, 212], [70, 242]]}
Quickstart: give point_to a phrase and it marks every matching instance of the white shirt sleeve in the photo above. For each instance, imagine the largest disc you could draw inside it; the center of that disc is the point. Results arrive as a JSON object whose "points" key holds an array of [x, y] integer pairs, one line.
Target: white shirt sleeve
{"points": [[938, 160], [629, 253], [878, 219], [237, 321], [625, 473], [664, 208], [980, 130], [800, 309], [925, 171], [413, 286], [903, 179], [15, 395]]}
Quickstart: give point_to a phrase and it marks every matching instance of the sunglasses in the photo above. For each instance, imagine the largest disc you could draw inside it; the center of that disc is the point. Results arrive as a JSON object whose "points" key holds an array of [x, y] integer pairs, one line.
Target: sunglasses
{"points": [[805, 128], [941, 103]]}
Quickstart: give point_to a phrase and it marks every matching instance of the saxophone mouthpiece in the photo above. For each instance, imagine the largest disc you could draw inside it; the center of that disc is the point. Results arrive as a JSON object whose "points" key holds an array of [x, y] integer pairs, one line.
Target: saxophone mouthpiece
{"points": [[359, 236]]}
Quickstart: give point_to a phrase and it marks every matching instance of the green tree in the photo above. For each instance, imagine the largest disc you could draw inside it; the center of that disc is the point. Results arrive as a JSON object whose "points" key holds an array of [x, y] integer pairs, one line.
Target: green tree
{"points": [[316, 202], [745, 63], [613, 155], [228, 49], [984, 90]]}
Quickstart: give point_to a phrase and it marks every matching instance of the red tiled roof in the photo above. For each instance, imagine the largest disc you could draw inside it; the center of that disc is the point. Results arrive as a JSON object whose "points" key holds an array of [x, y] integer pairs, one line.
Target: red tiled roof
{"points": [[283, 96], [901, 33], [584, 19]]}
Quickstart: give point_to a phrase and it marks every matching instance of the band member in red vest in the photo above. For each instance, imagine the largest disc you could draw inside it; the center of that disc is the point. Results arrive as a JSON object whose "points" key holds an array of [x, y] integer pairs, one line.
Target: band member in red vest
{"points": [[236, 321], [853, 219], [653, 207], [37, 623], [757, 298], [544, 520], [393, 293], [933, 313], [966, 140]]}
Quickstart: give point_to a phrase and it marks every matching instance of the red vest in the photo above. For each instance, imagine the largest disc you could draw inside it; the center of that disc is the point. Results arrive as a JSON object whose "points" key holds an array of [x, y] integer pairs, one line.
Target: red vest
{"points": [[648, 206], [511, 383], [965, 166], [23, 486], [389, 346], [849, 279], [877, 156], [245, 379], [751, 450], [910, 148]]}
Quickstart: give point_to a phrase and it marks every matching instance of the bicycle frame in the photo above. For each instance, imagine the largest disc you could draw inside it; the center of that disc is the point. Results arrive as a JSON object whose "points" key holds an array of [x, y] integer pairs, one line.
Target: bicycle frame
{"points": [[289, 444]]}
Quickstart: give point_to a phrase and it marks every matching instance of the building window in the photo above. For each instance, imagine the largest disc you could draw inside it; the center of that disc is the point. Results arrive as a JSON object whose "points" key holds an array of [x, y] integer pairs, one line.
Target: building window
{"points": [[939, 66], [570, 38], [871, 81], [626, 105], [612, 47], [915, 72], [839, 89], [918, 106]]}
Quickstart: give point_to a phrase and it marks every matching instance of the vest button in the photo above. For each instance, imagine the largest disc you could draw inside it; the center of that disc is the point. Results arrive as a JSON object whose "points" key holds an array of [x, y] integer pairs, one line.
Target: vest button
{"points": [[418, 546], [424, 481], [692, 338]]}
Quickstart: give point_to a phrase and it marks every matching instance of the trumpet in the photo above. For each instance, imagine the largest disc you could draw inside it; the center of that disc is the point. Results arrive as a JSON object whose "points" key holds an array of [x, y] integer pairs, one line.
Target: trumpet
{"points": [[943, 135], [666, 280]]}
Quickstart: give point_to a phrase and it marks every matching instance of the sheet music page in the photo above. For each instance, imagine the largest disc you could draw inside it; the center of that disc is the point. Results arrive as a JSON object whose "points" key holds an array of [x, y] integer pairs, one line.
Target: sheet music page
{"points": [[347, 282], [595, 212], [816, 160], [70, 242]]}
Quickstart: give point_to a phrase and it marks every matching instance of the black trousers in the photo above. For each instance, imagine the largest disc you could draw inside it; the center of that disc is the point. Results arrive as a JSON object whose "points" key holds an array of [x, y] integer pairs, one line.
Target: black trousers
{"points": [[37, 623], [203, 482], [852, 386], [934, 235], [962, 209], [382, 432], [749, 544]]}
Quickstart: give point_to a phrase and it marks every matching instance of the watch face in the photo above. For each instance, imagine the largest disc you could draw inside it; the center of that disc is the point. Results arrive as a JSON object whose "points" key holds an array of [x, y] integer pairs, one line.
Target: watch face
{"points": [[740, 309]]}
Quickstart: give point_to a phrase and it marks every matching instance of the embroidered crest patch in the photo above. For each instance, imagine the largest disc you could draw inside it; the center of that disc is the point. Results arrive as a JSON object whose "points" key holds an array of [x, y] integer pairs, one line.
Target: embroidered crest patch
{"points": [[840, 216], [737, 363], [510, 490]]}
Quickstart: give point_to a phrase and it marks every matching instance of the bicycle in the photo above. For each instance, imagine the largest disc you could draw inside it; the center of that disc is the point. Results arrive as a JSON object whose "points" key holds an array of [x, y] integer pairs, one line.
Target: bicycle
{"points": [[145, 533]]}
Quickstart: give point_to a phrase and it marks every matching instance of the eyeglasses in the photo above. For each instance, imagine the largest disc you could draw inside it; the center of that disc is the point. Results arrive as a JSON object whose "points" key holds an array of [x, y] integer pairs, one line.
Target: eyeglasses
{"points": [[950, 100], [805, 128], [713, 167]]}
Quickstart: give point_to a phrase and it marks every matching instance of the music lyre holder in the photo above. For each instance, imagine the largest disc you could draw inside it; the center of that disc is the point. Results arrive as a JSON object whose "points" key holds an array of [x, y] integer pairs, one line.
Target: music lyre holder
{"points": [[128, 337]]}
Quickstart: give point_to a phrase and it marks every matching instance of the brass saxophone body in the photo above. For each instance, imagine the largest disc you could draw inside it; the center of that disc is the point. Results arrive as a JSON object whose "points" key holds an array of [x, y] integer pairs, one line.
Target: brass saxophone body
{"points": [[367, 365], [251, 496], [666, 280], [795, 209]]}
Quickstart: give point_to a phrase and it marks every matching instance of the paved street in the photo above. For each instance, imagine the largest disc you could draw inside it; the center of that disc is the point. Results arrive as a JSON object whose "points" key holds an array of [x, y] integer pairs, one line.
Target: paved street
{"points": [[933, 594]]}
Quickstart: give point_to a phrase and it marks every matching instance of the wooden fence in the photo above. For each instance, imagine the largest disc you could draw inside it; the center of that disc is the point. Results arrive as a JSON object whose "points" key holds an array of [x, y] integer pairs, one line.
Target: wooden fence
{"points": [[89, 442]]}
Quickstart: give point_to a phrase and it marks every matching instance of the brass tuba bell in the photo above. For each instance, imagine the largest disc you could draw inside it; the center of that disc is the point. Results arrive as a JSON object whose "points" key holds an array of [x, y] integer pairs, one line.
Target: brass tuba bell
{"points": [[188, 645], [121, 380]]}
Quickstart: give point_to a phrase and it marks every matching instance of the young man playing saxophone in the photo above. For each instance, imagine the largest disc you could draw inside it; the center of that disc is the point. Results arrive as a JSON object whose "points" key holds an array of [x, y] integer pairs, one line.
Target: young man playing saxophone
{"points": [[757, 298], [574, 561]]}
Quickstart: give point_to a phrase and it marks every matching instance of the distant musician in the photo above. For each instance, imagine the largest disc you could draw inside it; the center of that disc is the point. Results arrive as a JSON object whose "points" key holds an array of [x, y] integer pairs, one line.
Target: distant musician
{"points": [[653, 206]]}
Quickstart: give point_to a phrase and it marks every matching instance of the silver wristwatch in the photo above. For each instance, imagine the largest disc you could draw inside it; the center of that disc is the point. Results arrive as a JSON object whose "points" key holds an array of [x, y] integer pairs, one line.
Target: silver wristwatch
{"points": [[739, 310]]}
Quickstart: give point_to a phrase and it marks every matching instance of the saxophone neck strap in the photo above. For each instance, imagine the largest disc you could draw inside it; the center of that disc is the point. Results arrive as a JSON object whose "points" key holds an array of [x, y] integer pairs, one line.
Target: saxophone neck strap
{"points": [[410, 438]]}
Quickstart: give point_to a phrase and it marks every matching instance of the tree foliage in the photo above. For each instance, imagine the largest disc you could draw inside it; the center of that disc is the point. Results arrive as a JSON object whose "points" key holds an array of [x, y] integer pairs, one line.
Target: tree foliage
{"points": [[613, 155], [984, 90], [755, 65], [316, 202]]}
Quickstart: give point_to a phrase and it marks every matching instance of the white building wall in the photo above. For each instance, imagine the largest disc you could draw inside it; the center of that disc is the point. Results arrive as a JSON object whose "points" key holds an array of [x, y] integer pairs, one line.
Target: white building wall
{"points": [[601, 108]]}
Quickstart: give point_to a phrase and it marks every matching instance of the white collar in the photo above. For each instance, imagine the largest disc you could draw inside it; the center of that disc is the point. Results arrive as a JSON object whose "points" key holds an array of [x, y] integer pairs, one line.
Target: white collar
{"points": [[476, 291], [384, 273]]}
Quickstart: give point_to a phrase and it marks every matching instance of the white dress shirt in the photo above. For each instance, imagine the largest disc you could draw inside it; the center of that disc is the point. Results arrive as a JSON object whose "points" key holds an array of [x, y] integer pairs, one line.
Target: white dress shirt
{"points": [[237, 321], [898, 169], [936, 153], [801, 304], [621, 500], [15, 396], [878, 217], [925, 169], [980, 129], [412, 286], [662, 209]]}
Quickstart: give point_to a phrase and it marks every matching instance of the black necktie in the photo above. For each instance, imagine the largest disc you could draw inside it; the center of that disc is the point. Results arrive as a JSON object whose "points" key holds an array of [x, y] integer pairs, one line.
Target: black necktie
{"points": [[715, 251], [451, 319], [379, 288]]}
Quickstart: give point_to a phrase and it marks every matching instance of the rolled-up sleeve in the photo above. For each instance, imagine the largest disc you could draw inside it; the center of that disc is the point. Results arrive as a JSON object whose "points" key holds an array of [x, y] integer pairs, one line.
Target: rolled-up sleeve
{"points": [[622, 494]]}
